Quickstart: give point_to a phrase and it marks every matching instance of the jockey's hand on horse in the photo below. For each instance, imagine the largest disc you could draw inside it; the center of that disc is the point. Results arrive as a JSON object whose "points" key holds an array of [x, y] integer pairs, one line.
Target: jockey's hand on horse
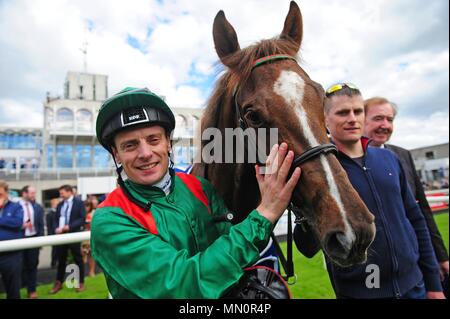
{"points": [[276, 190]]}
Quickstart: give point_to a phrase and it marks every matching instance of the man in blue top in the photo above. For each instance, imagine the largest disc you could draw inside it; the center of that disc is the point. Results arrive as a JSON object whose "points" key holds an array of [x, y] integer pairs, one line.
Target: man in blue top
{"points": [[11, 219], [401, 262]]}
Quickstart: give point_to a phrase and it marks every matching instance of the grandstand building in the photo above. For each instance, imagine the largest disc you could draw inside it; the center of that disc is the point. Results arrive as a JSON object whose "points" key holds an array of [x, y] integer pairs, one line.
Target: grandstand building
{"points": [[66, 149], [432, 163]]}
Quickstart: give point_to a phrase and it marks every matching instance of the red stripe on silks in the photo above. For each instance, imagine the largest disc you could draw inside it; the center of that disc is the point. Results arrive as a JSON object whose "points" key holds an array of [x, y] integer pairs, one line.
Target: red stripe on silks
{"points": [[118, 199], [195, 186]]}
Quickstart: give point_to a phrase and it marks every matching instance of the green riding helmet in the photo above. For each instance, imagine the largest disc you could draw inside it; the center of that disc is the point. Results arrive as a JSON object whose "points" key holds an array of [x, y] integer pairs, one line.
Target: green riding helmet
{"points": [[132, 107]]}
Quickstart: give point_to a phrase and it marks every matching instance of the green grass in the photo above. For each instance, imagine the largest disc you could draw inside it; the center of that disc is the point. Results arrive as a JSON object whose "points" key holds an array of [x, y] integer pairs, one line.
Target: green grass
{"points": [[442, 222], [312, 278]]}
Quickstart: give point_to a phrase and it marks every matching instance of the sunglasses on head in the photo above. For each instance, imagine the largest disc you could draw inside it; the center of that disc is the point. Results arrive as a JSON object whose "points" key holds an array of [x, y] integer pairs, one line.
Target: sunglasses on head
{"points": [[339, 86]]}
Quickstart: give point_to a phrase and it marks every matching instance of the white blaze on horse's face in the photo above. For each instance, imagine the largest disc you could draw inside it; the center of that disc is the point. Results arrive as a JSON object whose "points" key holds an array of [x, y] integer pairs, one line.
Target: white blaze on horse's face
{"points": [[291, 86]]}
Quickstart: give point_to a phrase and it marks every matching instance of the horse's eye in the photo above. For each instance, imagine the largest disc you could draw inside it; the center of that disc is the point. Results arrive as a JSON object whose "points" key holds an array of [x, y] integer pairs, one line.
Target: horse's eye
{"points": [[254, 118]]}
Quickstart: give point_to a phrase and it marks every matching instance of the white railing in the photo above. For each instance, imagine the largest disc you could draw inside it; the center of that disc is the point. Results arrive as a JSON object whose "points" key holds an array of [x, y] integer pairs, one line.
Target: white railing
{"points": [[437, 196], [53, 173], [52, 240], [63, 239], [437, 199]]}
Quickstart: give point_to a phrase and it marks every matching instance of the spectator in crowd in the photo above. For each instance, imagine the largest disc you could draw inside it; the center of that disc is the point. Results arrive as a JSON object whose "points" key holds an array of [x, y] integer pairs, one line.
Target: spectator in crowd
{"points": [[90, 205], [379, 126], [51, 227], [401, 258], [69, 218], [2, 163], [22, 163], [101, 198], [94, 200], [33, 226], [11, 221], [34, 163]]}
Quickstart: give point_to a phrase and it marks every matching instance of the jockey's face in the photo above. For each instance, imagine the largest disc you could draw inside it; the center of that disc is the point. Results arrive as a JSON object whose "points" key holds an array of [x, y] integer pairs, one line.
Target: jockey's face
{"points": [[143, 153]]}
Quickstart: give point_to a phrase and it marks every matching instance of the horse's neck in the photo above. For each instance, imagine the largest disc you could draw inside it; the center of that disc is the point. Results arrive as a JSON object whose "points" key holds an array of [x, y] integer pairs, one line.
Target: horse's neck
{"points": [[235, 183], [247, 195]]}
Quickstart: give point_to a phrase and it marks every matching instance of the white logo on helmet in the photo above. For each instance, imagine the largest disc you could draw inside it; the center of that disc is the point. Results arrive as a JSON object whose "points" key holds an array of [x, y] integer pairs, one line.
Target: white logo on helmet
{"points": [[134, 117]]}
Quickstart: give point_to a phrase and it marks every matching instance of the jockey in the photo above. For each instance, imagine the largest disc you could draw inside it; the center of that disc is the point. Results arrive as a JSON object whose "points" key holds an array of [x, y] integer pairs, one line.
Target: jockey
{"points": [[155, 235]]}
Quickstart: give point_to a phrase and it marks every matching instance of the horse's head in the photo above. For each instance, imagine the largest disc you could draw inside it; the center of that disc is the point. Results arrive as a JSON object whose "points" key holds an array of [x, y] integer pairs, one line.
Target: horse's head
{"points": [[279, 94]]}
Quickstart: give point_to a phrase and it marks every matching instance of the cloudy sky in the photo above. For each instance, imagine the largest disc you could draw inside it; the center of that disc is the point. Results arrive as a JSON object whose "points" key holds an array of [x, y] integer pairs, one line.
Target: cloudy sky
{"points": [[393, 48]]}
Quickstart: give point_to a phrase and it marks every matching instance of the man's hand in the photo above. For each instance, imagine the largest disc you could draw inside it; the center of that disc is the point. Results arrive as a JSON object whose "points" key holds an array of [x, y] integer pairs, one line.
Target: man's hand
{"points": [[58, 231], [435, 295], [275, 191], [65, 229]]}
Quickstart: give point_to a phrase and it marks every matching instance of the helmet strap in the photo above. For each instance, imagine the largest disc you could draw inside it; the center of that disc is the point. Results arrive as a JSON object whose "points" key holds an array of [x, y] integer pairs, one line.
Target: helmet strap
{"points": [[171, 163]]}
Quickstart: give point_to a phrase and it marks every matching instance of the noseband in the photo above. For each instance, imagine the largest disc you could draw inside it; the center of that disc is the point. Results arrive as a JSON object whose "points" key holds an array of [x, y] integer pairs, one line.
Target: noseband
{"points": [[307, 155]]}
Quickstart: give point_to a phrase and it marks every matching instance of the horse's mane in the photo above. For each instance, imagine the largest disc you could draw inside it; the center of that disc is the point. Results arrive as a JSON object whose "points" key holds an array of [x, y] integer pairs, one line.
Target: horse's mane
{"points": [[219, 113], [240, 65]]}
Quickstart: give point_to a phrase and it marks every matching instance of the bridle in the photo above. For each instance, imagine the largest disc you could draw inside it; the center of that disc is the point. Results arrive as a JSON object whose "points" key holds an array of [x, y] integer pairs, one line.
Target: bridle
{"points": [[307, 155], [300, 159]]}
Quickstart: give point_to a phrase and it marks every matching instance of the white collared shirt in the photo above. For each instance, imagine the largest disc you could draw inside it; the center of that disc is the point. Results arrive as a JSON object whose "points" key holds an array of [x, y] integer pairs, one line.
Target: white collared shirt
{"points": [[165, 183], [28, 215], [67, 206]]}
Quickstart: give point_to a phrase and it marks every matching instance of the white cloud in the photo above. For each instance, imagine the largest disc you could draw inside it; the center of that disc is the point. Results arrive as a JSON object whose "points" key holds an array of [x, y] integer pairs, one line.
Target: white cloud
{"points": [[186, 96], [417, 132], [21, 113]]}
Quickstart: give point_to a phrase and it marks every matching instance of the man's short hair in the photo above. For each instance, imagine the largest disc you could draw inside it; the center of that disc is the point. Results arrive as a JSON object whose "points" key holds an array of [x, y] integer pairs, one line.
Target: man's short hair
{"points": [[345, 90], [4, 185], [24, 189], [67, 188], [377, 100]]}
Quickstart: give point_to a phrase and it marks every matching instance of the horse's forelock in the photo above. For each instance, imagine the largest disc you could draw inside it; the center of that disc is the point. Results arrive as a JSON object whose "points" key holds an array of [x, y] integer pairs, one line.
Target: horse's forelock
{"points": [[241, 62]]}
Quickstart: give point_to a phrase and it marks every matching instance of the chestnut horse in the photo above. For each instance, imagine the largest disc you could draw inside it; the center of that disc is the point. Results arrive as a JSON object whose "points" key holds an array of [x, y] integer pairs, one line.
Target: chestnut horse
{"points": [[264, 86]]}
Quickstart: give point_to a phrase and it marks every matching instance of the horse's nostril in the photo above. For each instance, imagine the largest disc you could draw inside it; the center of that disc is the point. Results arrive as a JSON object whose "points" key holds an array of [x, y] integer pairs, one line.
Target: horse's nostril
{"points": [[338, 245]]}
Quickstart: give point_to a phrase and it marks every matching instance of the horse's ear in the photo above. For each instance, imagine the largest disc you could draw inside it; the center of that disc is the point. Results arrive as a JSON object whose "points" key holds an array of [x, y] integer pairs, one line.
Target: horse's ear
{"points": [[293, 25], [225, 38]]}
